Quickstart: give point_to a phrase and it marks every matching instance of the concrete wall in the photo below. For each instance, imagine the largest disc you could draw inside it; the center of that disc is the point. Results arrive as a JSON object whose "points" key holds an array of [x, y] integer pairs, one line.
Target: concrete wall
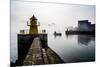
{"points": [[24, 43]]}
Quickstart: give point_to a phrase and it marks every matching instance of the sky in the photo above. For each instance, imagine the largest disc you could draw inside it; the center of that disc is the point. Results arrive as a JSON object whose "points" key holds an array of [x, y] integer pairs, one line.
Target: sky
{"points": [[51, 16]]}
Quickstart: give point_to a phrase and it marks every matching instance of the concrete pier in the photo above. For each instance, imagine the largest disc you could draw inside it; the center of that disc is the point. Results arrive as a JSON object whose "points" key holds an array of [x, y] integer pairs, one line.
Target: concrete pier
{"points": [[39, 56], [34, 55], [34, 50]]}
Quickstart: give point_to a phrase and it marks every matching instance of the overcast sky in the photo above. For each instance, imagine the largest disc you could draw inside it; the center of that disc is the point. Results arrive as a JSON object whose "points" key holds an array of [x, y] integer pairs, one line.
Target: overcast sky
{"points": [[51, 16]]}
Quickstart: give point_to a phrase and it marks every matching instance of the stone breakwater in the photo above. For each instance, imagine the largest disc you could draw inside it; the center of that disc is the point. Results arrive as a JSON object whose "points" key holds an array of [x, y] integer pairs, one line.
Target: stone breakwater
{"points": [[34, 50]]}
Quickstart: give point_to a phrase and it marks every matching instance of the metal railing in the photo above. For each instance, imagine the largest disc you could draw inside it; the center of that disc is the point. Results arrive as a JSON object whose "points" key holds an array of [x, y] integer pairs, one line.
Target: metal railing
{"points": [[26, 31]]}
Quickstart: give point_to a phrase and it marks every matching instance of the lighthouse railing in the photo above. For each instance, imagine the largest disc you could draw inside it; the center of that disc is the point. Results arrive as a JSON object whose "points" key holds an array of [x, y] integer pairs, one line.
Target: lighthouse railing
{"points": [[28, 24], [26, 31]]}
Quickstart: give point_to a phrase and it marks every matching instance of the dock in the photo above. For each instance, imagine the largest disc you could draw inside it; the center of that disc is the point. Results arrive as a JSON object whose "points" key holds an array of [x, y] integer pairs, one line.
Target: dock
{"points": [[39, 56], [37, 53]]}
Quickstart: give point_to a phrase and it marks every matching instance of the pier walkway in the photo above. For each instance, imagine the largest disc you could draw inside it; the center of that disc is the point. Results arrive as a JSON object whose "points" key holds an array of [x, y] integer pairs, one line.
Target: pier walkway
{"points": [[38, 56], [34, 55]]}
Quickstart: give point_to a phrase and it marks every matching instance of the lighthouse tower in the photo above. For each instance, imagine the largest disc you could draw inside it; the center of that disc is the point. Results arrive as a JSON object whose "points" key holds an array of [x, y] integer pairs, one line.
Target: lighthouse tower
{"points": [[33, 25]]}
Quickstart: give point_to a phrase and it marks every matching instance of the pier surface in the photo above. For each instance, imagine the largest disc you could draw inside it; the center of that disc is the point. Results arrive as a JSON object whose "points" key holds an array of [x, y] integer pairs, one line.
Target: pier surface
{"points": [[34, 55], [34, 50], [39, 56]]}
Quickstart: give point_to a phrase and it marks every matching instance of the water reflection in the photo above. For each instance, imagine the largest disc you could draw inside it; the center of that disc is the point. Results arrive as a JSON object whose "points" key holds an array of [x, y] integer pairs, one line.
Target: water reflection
{"points": [[69, 36], [55, 36], [84, 39], [70, 47]]}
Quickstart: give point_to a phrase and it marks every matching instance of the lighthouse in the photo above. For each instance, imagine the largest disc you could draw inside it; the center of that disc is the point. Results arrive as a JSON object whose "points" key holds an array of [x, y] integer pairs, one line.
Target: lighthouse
{"points": [[33, 25]]}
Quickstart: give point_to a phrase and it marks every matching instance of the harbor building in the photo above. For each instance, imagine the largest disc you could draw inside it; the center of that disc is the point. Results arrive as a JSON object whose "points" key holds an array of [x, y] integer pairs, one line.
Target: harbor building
{"points": [[84, 25]]}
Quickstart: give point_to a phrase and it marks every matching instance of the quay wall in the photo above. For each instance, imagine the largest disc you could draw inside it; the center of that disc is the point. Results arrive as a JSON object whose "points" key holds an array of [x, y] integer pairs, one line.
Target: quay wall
{"points": [[24, 43]]}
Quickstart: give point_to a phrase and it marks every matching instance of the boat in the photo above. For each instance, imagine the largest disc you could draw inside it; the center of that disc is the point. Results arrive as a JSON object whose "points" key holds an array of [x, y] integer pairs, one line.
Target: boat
{"points": [[56, 33]]}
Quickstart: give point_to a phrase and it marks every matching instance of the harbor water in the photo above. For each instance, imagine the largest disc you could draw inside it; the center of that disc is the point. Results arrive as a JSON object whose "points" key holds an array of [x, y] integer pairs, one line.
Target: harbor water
{"points": [[73, 48]]}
